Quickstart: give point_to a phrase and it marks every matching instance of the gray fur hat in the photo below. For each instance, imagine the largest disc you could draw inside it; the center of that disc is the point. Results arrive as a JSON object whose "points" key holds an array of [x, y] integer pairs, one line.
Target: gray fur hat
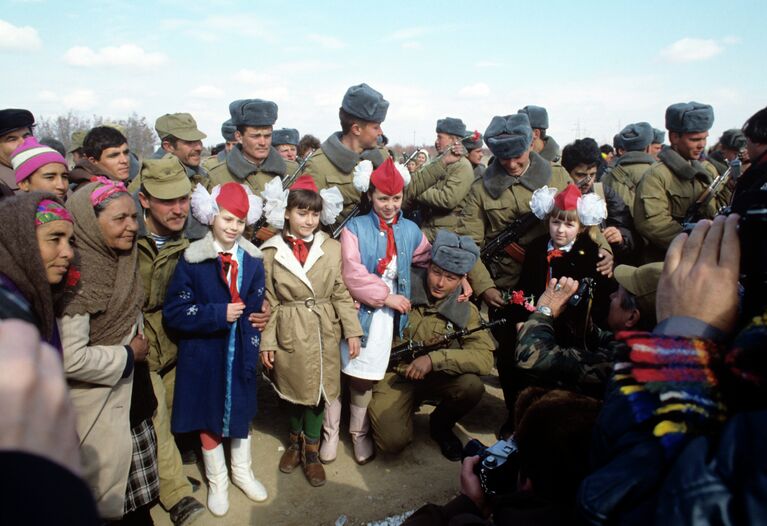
{"points": [[285, 136], [253, 112], [732, 139], [617, 142], [454, 253], [365, 103], [509, 136], [470, 145], [658, 136], [636, 137], [539, 117], [689, 117], [227, 130], [451, 126]]}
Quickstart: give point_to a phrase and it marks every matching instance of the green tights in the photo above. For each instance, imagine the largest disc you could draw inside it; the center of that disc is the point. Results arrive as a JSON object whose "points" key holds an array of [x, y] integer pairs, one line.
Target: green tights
{"points": [[307, 419]]}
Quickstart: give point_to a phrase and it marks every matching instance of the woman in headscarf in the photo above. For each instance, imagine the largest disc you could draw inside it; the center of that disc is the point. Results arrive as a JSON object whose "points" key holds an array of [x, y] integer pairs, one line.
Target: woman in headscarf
{"points": [[105, 355], [35, 256]]}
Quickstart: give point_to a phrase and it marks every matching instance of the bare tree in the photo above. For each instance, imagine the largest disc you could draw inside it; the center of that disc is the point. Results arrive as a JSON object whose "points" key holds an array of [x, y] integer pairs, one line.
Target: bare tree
{"points": [[141, 137]]}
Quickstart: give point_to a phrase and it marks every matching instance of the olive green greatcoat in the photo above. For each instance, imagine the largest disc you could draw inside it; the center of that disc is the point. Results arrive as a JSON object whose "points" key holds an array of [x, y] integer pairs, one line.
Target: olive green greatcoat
{"points": [[238, 169], [441, 190], [333, 164], [663, 198], [311, 311], [626, 174], [495, 201]]}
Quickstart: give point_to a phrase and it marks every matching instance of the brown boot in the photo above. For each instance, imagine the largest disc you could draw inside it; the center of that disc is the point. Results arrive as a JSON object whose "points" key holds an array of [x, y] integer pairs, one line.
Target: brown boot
{"points": [[310, 457], [292, 456]]}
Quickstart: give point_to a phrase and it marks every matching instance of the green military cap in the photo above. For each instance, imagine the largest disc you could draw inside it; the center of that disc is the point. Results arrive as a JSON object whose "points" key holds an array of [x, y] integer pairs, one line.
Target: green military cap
{"points": [[165, 178], [642, 283], [77, 140], [180, 125]]}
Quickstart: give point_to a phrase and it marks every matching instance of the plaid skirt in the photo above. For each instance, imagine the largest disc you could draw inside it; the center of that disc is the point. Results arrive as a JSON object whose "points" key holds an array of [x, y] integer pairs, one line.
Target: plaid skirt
{"points": [[143, 482]]}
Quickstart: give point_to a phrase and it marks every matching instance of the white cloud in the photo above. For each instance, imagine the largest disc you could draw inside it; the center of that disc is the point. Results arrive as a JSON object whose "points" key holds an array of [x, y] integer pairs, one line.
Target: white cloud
{"points": [[207, 92], [732, 39], [411, 45], [691, 50], [79, 99], [326, 41], [124, 104], [124, 55], [408, 33], [480, 89], [268, 86], [18, 37]]}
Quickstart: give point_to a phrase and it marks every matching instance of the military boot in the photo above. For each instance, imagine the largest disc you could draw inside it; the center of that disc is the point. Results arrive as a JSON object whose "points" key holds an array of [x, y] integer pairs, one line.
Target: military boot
{"points": [[310, 458], [292, 455]]}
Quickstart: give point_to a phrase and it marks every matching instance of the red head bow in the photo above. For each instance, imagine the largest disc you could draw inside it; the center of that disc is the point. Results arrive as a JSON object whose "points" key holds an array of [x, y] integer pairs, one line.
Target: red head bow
{"points": [[567, 199]]}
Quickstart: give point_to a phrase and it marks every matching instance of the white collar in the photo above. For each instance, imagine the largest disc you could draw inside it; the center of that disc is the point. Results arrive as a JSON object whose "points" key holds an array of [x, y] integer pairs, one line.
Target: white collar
{"points": [[565, 248], [220, 249]]}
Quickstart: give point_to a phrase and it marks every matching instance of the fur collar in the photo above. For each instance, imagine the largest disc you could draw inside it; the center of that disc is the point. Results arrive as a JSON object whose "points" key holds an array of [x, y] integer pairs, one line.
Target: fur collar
{"points": [[683, 169], [635, 158], [203, 249], [449, 308], [241, 168], [496, 180], [551, 151], [343, 158], [284, 255]]}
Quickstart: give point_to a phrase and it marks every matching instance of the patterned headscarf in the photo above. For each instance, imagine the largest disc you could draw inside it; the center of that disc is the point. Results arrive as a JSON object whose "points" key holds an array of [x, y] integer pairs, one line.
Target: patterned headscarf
{"points": [[49, 210]]}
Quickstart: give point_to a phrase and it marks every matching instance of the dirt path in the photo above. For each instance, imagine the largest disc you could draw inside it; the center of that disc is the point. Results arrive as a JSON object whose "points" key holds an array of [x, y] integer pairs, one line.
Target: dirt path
{"points": [[387, 486]]}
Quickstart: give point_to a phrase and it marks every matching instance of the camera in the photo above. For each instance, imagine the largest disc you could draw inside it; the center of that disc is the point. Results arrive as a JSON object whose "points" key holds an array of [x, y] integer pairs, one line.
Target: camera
{"points": [[498, 466], [585, 290]]}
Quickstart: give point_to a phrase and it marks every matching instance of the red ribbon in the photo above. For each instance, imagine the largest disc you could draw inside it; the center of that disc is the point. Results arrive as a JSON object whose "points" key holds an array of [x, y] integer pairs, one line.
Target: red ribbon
{"points": [[391, 246], [227, 261], [300, 249]]}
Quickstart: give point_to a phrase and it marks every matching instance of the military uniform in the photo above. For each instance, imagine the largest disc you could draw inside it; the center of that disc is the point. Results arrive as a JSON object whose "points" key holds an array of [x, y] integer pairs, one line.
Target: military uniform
{"points": [[454, 377], [441, 190], [625, 175], [240, 170], [663, 197], [551, 151], [332, 165]]}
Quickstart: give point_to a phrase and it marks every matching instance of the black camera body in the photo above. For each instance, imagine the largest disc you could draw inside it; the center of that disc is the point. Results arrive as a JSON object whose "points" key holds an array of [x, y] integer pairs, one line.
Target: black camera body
{"points": [[585, 290], [498, 466]]}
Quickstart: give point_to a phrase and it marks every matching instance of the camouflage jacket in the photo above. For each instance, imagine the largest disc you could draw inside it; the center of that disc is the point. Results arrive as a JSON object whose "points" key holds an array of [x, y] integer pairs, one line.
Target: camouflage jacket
{"points": [[543, 361]]}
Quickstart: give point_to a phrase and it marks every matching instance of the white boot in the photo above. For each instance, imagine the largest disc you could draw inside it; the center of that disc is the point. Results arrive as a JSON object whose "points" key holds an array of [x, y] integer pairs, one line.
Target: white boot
{"points": [[218, 480], [330, 426], [359, 427], [242, 474]]}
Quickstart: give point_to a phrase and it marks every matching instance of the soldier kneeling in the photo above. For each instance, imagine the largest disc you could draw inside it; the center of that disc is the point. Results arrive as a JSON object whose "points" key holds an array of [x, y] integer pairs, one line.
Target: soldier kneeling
{"points": [[450, 373]]}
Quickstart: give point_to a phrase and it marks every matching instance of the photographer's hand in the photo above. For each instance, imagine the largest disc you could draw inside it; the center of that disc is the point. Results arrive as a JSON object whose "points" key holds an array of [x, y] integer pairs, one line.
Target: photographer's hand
{"points": [[700, 275], [556, 295], [470, 485]]}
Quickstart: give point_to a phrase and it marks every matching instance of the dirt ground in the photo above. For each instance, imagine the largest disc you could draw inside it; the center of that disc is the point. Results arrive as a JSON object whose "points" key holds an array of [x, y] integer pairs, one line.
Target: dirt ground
{"points": [[385, 487]]}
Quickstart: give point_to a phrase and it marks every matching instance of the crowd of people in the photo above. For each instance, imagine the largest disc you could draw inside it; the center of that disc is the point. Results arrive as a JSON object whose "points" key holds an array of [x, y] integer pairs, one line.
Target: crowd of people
{"points": [[603, 283]]}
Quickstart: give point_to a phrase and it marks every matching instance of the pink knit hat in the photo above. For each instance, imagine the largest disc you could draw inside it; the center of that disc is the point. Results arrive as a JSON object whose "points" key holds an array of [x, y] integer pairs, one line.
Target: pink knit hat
{"points": [[32, 155]]}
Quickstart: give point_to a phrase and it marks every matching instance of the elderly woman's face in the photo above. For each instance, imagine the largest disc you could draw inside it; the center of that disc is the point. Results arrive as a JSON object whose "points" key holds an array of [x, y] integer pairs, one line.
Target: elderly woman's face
{"points": [[118, 223], [55, 240]]}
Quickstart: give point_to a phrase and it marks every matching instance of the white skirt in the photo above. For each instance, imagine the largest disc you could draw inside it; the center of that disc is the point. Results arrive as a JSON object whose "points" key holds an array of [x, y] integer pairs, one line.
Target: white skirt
{"points": [[373, 360]]}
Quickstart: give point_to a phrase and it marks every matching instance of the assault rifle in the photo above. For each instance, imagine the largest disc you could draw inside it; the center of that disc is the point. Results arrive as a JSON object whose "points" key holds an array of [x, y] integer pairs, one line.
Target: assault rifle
{"points": [[693, 213], [410, 350], [354, 212], [491, 252]]}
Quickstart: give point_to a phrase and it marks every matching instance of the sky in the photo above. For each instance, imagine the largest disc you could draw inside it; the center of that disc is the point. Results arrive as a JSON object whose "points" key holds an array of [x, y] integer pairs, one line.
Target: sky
{"points": [[595, 66]]}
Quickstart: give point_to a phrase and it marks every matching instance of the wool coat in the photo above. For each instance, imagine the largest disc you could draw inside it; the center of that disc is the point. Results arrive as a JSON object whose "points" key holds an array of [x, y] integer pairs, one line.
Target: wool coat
{"points": [[215, 381], [311, 311]]}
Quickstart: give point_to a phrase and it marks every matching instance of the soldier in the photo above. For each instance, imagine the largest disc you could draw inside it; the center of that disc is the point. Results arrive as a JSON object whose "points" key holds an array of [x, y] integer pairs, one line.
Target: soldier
{"points": [[165, 230], [497, 200], [674, 183], [628, 169], [658, 136], [307, 145], [581, 159], [544, 359], [184, 141], [285, 141], [440, 187], [731, 146], [227, 132], [15, 126], [451, 374], [543, 145], [755, 178], [362, 111], [475, 154], [76, 146]]}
